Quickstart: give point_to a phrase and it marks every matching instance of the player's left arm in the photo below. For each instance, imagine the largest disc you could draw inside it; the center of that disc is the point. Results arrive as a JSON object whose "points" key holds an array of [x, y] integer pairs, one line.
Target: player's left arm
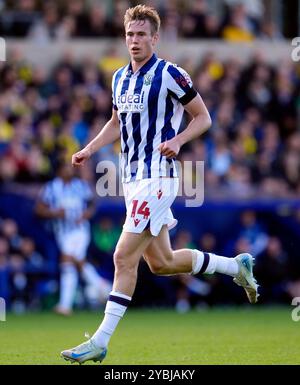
{"points": [[198, 125]]}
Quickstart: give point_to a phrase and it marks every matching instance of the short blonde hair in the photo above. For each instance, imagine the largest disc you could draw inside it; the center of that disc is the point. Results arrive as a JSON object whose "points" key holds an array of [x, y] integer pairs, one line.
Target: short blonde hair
{"points": [[143, 12]]}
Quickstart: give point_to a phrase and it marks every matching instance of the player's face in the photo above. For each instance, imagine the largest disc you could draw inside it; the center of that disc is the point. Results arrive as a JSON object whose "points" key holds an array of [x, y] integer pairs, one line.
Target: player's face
{"points": [[140, 40]]}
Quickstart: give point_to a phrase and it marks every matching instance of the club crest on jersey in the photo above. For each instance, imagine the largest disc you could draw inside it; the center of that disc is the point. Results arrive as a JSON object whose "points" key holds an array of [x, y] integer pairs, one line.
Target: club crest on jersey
{"points": [[131, 102], [148, 79]]}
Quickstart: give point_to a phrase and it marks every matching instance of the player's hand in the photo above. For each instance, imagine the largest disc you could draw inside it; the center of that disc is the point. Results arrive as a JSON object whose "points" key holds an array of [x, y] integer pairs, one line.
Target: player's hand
{"points": [[170, 148], [79, 220], [81, 157], [59, 213]]}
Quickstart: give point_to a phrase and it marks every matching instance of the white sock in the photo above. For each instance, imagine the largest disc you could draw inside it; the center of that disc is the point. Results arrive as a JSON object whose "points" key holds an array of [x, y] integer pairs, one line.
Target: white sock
{"points": [[68, 285], [90, 275], [210, 263], [93, 279], [197, 261], [115, 308]]}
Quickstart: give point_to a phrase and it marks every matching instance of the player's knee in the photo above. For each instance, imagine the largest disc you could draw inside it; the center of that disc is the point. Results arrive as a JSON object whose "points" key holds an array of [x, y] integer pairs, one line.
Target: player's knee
{"points": [[122, 262], [65, 258], [119, 258]]}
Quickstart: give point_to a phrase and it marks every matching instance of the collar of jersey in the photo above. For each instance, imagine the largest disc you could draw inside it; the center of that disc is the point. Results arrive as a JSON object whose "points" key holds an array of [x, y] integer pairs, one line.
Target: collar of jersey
{"points": [[145, 68]]}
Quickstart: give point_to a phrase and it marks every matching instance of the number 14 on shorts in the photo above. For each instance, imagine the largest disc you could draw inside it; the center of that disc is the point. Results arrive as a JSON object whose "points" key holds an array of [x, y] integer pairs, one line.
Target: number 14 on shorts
{"points": [[142, 210]]}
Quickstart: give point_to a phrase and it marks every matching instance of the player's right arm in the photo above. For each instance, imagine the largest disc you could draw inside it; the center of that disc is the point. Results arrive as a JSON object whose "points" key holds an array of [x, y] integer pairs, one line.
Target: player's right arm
{"points": [[109, 134], [44, 211], [43, 208]]}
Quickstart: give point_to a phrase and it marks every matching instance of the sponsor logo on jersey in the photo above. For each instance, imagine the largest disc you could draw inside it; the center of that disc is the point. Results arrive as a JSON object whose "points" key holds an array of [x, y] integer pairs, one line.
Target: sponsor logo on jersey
{"points": [[131, 102]]}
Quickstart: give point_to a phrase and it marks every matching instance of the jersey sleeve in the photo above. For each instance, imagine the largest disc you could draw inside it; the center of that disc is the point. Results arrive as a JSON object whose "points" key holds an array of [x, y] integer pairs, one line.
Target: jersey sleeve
{"points": [[46, 195], [114, 83], [180, 84], [114, 104]]}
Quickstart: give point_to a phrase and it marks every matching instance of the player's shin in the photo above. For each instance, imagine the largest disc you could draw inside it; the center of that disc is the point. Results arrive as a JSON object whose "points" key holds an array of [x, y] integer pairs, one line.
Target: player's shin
{"points": [[68, 285]]}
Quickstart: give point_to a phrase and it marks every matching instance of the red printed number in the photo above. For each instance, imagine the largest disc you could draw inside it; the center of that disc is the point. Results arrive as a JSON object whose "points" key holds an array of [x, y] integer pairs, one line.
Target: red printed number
{"points": [[142, 210]]}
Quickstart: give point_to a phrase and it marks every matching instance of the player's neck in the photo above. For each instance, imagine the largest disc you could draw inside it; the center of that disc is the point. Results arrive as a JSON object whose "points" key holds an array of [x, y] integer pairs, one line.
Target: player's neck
{"points": [[137, 65]]}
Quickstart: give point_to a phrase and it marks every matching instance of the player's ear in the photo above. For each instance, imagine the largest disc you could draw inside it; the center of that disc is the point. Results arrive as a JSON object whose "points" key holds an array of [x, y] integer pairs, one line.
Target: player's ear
{"points": [[155, 38]]}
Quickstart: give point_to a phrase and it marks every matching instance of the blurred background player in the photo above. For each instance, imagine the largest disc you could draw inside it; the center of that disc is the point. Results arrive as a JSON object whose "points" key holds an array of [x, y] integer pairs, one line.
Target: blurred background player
{"points": [[67, 201]]}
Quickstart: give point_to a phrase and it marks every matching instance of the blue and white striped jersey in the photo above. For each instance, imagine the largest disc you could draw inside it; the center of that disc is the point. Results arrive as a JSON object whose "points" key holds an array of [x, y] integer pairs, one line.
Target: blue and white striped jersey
{"points": [[73, 197], [149, 105]]}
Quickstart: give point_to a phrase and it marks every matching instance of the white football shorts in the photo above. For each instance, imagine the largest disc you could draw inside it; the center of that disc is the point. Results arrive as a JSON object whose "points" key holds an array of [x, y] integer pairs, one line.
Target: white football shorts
{"points": [[148, 203], [74, 243]]}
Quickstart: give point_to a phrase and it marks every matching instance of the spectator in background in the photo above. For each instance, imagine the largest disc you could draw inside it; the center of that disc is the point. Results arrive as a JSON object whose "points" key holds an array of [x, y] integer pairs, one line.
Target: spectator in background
{"points": [[98, 24], [211, 27], [170, 22], [76, 11], [9, 230], [239, 26], [251, 235], [220, 158], [20, 20], [21, 268], [119, 9], [34, 260], [252, 230], [4, 269], [269, 31], [197, 22], [66, 29], [272, 270], [110, 62], [191, 19], [45, 29], [283, 106], [105, 235]]}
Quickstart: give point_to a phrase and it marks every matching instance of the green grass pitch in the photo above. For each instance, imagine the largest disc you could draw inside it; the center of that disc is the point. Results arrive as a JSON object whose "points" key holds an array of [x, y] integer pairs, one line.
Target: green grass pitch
{"points": [[252, 335]]}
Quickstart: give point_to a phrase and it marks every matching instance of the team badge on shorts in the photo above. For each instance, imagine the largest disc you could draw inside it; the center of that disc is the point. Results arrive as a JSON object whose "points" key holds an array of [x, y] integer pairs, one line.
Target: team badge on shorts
{"points": [[148, 79], [159, 194]]}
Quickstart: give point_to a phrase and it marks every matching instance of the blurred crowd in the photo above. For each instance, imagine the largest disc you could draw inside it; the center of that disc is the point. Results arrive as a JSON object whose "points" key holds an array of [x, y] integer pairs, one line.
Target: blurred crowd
{"points": [[47, 20], [253, 144], [25, 274], [252, 147]]}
